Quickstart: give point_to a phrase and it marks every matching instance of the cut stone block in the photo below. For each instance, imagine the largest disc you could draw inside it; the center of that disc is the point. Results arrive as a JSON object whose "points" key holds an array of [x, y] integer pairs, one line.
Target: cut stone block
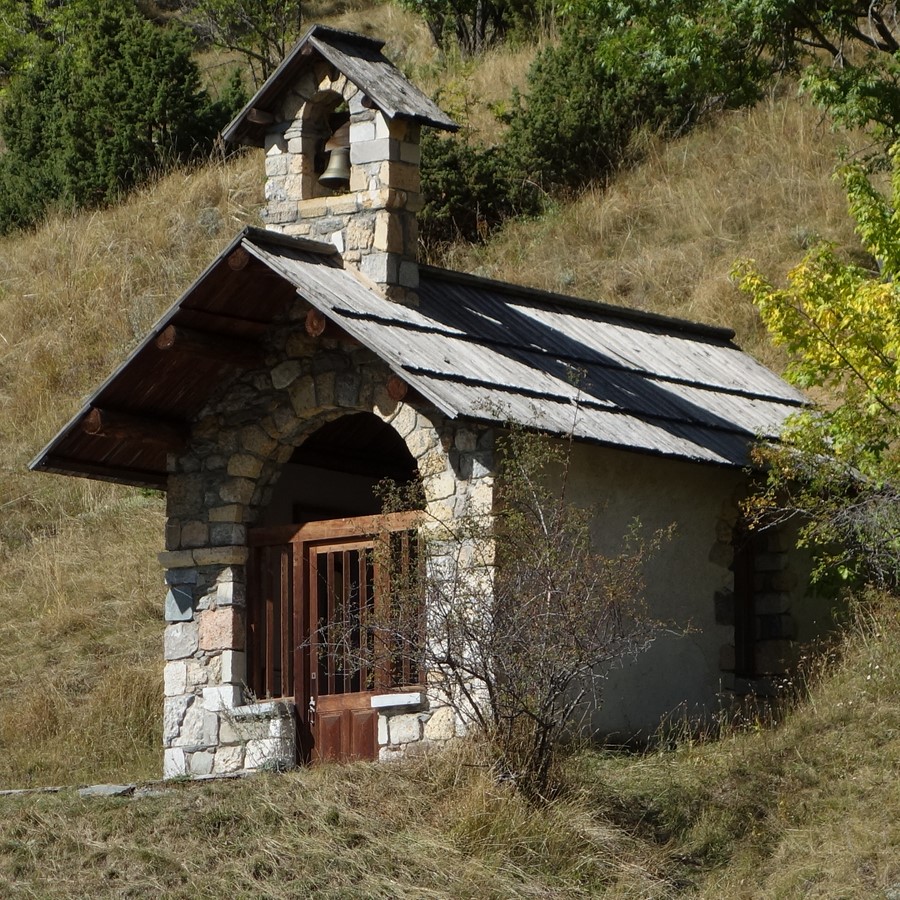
{"points": [[174, 763], [179, 604], [221, 629], [181, 640]]}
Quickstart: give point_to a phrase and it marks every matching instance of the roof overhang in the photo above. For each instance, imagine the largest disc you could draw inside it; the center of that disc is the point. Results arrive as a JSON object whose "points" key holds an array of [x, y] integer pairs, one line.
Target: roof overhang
{"points": [[359, 58], [143, 410]]}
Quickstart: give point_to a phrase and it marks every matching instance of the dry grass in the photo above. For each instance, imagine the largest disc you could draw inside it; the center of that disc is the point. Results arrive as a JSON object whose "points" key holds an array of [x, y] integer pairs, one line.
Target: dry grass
{"points": [[80, 589], [664, 236], [808, 807]]}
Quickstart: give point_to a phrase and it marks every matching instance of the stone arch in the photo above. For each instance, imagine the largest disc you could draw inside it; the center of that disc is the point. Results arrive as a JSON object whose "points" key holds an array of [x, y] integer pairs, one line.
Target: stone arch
{"points": [[336, 469]]}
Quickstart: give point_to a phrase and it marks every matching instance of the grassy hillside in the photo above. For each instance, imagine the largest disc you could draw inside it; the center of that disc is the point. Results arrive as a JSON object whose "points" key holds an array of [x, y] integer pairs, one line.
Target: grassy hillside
{"points": [[805, 808]]}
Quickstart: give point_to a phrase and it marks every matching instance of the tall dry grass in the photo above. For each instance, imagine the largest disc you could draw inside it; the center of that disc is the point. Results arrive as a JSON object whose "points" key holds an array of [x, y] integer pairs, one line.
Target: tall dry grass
{"points": [[80, 589], [664, 236]]}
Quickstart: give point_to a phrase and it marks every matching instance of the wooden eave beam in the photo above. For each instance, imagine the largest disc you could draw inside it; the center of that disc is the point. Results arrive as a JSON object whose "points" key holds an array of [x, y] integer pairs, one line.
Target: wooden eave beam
{"points": [[121, 426], [206, 345], [65, 465], [260, 116]]}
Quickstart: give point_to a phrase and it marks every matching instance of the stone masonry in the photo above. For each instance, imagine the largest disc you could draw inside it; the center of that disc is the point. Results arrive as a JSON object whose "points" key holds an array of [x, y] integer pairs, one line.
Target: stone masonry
{"points": [[218, 487], [774, 582], [374, 224]]}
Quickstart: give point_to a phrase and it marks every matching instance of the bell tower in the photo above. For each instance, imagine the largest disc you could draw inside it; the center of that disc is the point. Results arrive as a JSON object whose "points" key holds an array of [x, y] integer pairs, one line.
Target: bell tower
{"points": [[340, 126]]}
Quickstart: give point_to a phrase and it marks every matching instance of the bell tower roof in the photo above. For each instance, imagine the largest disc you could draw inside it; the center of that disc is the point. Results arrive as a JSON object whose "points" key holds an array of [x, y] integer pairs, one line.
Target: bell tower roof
{"points": [[360, 60]]}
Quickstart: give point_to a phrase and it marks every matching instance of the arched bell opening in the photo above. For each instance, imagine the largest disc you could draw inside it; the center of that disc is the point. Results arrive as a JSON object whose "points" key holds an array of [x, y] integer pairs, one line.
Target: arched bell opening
{"points": [[340, 471], [326, 128]]}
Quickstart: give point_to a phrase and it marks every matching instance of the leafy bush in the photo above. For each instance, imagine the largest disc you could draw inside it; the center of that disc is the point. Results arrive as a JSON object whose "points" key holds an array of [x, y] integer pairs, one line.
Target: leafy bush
{"points": [[88, 120], [469, 191], [620, 68]]}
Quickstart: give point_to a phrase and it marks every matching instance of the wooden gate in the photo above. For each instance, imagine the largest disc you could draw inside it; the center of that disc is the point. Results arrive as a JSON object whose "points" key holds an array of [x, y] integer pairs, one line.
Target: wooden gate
{"points": [[334, 618]]}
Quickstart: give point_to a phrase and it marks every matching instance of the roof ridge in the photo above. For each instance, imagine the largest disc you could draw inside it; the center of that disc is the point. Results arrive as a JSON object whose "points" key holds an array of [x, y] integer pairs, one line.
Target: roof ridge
{"points": [[327, 31], [671, 323]]}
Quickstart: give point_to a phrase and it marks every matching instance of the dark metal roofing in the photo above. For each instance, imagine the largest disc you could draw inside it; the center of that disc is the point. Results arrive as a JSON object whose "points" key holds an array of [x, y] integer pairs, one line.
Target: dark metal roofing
{"points": [[361, 60], [474, 348]]}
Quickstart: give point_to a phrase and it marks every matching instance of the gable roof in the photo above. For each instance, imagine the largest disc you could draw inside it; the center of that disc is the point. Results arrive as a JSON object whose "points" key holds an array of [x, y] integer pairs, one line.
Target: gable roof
{"points": [[475, 348], [361, 60]]}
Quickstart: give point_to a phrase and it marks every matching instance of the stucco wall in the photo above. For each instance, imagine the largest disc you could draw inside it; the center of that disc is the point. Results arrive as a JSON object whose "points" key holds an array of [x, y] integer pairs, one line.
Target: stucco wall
{"points": [[689, 579]]}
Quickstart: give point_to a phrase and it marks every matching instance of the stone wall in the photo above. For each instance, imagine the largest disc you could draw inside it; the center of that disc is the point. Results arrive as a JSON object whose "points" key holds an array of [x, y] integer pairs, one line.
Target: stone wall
{"points": [[374, 224], [219, 486]]}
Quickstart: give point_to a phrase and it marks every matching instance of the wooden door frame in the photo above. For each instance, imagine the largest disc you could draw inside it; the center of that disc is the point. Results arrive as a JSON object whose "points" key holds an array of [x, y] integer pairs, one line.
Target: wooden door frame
{"points": [[303, 539]]}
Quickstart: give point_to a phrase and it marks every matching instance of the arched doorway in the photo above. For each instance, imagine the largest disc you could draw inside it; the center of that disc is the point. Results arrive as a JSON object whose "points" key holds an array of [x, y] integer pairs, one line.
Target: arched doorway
{"points": [[333, 602], [337, 470]]}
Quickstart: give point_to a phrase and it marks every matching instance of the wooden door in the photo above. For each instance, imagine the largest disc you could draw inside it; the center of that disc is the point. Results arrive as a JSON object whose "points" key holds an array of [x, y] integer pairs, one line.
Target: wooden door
{"points": [[341, 599], [316, 595]]}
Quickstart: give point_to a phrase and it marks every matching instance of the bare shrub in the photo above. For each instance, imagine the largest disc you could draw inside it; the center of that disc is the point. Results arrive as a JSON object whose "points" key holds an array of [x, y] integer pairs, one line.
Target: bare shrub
{"points": [[521, 616]]}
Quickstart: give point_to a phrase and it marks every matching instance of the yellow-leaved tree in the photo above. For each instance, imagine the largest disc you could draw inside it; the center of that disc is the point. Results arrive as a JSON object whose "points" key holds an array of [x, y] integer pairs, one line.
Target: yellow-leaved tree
{"points": [[838, 466]]}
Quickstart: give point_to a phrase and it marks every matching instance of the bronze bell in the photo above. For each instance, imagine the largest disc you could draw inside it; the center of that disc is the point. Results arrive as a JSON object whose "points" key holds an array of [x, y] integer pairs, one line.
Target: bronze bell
{"points": [[337, 173]]}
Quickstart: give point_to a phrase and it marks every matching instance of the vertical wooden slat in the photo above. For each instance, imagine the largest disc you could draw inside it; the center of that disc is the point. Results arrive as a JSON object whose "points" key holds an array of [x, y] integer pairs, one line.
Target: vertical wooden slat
{"points": [[420, 606], [363, 618], [382, 614], [285, 623], [315, 634], [330, 589], [254, 575], [348, 662], [299, 600], [404, 612], [269, 651]]}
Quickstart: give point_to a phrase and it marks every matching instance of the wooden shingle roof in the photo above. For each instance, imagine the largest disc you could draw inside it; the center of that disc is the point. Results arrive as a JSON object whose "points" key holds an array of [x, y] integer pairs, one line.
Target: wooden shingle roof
{"points": [[475, 348], [359, 58]]}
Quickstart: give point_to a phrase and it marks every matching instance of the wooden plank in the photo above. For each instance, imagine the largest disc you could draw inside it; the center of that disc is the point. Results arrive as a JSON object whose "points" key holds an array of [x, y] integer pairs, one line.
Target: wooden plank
{"points": [[269, 631], [363, 616], [286, 620], [208, 345], [405, 624], [122, 426], [348, 662], [327, 529], [330, 588]]}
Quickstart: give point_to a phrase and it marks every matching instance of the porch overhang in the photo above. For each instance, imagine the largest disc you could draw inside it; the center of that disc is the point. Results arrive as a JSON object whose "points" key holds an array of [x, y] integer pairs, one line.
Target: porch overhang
{"points": [[143, 410]]}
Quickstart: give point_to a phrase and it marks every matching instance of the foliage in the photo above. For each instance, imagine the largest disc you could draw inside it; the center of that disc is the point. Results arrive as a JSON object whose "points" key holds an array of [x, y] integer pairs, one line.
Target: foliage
{"points": [[523, 616], [469, 191], [840, 465], [262, 31], [847, 49], [622, 68], [118, 101], [474, 25]]}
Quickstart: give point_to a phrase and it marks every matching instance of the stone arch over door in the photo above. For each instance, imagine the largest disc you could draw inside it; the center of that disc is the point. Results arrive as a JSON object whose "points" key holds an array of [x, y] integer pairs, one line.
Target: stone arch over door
{"points": [[222, 486], [341, 470]]}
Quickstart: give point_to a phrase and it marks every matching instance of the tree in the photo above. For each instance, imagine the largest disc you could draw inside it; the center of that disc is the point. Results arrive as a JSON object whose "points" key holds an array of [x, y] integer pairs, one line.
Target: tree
{"points": [[523, 616], [847, 51], [621, 68], [838, 467], [92, 117], [474, 25], [262, 31]]}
